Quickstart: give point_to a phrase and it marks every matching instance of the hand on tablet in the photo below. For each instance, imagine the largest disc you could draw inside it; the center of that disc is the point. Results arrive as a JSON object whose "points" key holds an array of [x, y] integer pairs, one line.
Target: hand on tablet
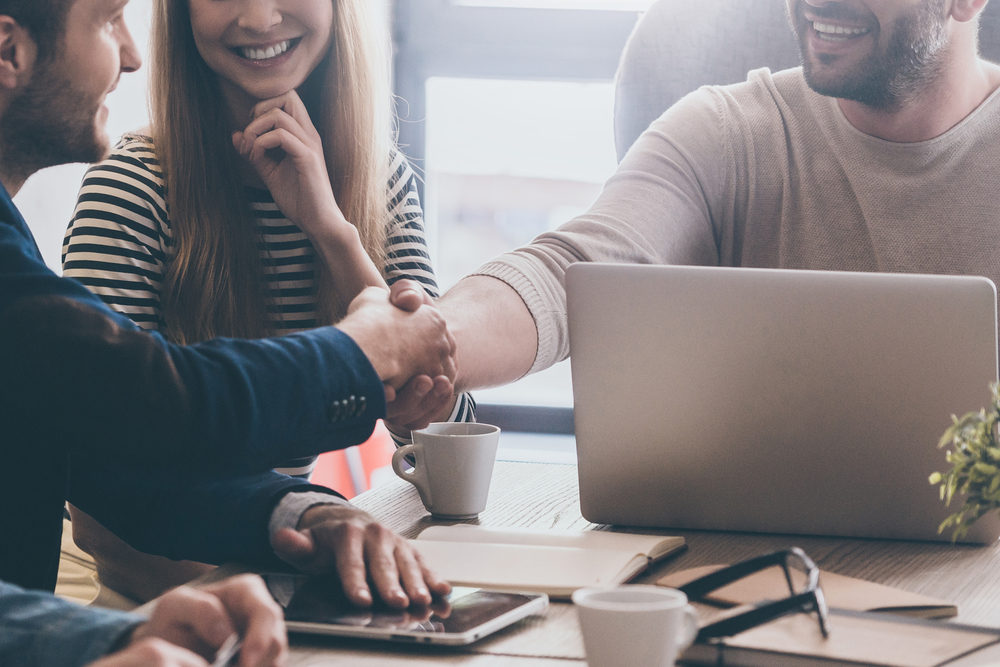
{"points": [[365, 554]]}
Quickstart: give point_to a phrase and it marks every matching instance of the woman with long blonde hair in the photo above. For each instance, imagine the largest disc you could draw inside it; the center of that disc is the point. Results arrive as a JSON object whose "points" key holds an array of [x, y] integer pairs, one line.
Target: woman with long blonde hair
{"points": [[265, 195]]}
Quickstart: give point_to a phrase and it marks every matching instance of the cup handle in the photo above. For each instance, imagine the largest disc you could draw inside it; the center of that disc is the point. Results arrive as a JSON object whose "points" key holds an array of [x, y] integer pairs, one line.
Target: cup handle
{"points": [[418, 476], [690, 629]]}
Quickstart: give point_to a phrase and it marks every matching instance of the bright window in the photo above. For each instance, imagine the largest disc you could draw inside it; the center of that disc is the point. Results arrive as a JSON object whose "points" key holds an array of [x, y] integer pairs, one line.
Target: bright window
{"points": [[506, 161], [507, 106]]}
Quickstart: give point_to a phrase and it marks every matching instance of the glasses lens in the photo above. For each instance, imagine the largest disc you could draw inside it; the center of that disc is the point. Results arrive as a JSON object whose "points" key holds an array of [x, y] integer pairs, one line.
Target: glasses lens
{"points": [[798, 574]]}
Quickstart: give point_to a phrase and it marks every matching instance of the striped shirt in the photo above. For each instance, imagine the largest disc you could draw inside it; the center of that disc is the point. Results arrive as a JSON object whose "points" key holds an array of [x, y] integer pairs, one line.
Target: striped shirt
{"points": [[119, 243]]}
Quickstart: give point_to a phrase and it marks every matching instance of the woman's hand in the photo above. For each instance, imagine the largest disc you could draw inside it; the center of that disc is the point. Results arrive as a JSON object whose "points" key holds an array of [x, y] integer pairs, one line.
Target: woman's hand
{"points": [[285, 149]]}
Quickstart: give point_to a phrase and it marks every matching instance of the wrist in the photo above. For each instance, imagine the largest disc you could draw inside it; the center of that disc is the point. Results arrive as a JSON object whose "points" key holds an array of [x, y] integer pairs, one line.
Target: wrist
{"points": [[320, 513], [339, 246], [331, 228], [294, 505]]}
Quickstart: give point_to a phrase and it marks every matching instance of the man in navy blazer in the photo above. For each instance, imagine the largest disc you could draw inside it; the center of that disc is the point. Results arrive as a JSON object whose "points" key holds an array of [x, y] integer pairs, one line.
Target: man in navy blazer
{"points": [[97, 412]]}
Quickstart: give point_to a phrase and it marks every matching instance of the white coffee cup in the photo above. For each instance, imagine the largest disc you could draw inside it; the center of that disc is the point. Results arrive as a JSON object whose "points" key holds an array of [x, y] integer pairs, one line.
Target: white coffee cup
{"points": [[637, 626], [453, 465]]}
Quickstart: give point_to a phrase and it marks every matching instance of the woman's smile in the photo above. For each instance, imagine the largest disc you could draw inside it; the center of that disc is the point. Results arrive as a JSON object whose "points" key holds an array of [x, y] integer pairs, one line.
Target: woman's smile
{"points": [[262, 53], [262, 49]]}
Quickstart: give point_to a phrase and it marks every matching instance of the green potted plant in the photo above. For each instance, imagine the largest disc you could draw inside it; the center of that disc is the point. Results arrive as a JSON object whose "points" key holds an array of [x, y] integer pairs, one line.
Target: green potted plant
{"points": [[975, 460]]}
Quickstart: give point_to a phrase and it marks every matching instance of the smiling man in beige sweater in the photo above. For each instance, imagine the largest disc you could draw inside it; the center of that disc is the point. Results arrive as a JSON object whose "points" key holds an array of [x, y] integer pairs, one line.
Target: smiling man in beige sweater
{"points": [[881, 153]]}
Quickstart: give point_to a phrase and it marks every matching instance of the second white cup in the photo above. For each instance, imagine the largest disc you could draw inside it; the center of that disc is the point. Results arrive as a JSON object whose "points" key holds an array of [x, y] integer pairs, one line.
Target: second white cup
{"points": [[452, 467], [638, 626]]}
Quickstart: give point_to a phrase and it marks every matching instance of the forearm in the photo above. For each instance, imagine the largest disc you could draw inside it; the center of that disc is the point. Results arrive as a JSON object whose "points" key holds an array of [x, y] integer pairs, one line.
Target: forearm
{"points": [[339, 247], [40, 630], [495, 334], [661, 207]]}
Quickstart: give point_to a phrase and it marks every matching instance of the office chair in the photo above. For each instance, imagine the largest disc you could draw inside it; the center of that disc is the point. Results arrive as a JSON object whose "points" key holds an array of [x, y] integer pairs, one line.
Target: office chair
{"points": [[679, 45]]}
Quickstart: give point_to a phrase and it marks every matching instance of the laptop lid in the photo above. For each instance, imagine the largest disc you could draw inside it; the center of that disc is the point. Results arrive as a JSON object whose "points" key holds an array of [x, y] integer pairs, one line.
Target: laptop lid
{"points": [[763, 400]]}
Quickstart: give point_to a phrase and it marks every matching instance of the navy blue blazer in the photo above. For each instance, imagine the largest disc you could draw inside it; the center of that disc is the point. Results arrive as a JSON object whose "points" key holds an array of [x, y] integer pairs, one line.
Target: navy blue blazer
{"points": [[168, 446]]}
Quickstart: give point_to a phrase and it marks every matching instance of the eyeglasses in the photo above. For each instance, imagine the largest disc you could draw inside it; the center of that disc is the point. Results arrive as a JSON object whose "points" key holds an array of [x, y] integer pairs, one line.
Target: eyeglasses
{"points": [[802, 577]]}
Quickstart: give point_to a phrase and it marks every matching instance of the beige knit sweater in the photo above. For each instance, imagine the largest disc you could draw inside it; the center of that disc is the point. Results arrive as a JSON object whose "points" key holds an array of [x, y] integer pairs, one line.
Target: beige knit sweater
{"points": [[768, 173]]}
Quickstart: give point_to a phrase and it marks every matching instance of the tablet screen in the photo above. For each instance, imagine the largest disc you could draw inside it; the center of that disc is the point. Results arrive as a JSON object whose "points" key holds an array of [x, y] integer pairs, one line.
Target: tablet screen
{"points": [[318, 604]]}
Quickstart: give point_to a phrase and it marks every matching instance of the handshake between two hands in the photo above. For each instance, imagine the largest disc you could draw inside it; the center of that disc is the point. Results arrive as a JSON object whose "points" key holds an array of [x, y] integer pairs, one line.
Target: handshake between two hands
{"points": [[407, 340]]}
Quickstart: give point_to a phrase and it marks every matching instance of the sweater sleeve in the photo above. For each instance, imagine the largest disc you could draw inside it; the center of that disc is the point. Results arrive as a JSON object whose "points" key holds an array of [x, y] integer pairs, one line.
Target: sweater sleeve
{"points": [[407, 257], [662, 206]]}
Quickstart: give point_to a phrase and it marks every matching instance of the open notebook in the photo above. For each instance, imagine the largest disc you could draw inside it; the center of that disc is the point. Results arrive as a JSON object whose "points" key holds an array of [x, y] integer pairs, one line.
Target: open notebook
{"points": [[556, 562]]}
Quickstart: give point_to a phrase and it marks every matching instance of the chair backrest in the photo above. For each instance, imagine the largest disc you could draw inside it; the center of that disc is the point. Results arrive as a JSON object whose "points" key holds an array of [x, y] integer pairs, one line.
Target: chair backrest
{"points": [[679, 45]]}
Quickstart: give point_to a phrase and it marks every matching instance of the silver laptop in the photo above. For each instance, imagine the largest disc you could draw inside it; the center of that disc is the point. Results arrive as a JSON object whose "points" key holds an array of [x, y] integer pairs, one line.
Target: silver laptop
{"points": [[805, 402]]}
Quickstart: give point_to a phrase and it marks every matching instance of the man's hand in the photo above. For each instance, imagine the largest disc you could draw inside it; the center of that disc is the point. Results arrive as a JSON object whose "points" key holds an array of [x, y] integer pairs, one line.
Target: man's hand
{"points": [[346, 540], [423, 399], [419, 402], [189, 625], [402, 334]]}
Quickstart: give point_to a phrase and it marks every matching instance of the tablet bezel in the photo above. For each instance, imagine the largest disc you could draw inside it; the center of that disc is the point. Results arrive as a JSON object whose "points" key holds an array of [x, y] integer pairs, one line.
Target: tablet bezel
{"points": [[533, 604]]}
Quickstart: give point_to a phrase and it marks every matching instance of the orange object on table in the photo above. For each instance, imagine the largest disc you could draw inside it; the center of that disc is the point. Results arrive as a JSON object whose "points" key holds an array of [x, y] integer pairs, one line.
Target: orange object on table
{"points": [[349, 471]]}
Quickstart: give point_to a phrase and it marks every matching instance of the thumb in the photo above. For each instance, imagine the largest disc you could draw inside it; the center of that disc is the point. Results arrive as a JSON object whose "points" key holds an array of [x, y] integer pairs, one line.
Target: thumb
{"points": [[238, 142], [293, 546], [406, 295]]}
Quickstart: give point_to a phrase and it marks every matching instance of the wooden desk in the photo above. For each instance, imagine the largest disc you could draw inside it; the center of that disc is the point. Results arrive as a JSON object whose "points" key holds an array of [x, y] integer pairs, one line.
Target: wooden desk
{"points": [[545, 496]]}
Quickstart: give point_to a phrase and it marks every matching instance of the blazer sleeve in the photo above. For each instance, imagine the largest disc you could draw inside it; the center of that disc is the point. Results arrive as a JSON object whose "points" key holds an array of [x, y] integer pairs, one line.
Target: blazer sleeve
{"points": [[76, 376], [185, 515]]}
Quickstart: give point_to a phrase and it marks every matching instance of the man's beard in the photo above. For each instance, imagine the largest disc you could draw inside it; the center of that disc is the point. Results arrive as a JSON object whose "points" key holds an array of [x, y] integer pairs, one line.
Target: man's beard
{"points": [[50, 123], [894, 74]]}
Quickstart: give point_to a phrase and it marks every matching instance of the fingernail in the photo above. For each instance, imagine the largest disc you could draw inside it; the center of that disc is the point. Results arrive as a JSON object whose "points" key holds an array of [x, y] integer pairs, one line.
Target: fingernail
{"points": [[364, 595]]}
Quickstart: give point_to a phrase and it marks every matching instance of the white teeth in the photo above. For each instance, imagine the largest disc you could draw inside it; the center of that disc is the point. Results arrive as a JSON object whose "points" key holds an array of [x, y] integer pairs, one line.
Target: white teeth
{"points": [[265, 54], [827, 29]]}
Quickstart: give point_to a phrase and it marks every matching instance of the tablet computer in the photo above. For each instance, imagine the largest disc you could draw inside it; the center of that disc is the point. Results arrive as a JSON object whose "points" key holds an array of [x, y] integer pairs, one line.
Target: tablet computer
{"points": [[317, 605]]}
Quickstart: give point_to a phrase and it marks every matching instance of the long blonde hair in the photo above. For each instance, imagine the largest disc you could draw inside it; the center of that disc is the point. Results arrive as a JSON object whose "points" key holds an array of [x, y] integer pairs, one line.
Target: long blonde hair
{"points": [[214, 284]]}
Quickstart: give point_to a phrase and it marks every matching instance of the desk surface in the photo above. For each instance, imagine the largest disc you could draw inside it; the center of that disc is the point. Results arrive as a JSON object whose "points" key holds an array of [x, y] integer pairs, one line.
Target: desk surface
{"points": [[542, 495]]}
